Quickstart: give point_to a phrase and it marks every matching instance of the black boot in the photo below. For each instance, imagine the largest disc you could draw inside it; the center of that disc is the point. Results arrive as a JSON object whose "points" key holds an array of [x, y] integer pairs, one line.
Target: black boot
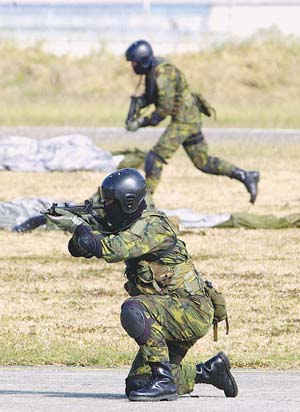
{"points": [[134, 382], [249, 179], [30, 224], [216, 371], [161, 386]]}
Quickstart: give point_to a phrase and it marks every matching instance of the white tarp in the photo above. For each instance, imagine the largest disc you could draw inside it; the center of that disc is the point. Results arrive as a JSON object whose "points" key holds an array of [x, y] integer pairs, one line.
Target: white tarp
{"points": [[65, 153]]}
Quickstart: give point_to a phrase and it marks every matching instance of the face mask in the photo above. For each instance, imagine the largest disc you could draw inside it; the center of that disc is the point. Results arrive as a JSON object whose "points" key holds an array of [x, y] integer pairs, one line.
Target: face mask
{"points": [[115, 215], [120, 220]]}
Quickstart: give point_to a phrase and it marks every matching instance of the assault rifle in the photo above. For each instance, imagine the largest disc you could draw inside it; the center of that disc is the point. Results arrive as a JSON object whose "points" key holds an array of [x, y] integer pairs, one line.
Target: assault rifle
{"points": [[134, 109], [88, 208]]}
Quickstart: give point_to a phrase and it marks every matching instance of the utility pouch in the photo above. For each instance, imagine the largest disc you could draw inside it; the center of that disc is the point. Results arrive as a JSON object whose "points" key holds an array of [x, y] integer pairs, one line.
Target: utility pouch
{"points": [[219, 305], [203, 105]]}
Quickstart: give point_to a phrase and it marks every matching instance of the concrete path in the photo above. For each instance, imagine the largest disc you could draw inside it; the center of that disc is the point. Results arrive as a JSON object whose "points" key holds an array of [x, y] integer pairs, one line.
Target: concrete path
{"points": [[60, 389], [149, 135]]}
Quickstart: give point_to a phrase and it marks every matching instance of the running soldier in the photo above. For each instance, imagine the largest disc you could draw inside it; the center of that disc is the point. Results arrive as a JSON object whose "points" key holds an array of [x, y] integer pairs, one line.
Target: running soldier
{"points": [[166, 87]]}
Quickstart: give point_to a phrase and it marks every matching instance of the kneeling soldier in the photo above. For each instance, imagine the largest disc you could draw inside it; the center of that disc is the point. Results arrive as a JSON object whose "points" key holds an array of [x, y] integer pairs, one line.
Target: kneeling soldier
{"points": [[169, 307]]}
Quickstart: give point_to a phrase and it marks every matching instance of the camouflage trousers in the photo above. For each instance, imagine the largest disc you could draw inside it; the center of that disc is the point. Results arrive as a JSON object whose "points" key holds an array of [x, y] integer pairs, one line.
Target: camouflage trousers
{"points": [[191, 137], [176, 325]]}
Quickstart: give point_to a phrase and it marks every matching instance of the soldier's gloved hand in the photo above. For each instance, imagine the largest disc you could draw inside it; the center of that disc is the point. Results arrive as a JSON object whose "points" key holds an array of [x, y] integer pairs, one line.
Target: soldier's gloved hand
{"points": [[65, 220], [134, 125]]}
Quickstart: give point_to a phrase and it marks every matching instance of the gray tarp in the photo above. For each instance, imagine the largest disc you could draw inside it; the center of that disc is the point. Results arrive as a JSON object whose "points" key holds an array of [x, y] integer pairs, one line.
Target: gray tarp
{"points": [[64, 153], [19, 210], [189, 219]]}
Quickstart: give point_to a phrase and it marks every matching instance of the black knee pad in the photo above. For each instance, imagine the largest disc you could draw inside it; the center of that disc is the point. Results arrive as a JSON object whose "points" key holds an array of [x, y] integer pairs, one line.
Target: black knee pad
{"points": [[135, 322], [150, 158], [134, 382]]}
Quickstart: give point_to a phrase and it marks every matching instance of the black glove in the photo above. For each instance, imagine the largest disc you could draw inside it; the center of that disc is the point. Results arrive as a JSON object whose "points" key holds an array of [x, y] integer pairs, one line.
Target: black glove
{"points": [[75, 250], [87, 242]]}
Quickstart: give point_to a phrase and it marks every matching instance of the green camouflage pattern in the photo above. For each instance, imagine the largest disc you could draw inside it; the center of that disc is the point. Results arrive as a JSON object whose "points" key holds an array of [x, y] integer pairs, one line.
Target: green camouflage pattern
{"points": [[169, 288], [251, 221], [151, 232], [174, 136], [177, 325], [174, 98], [198, 153], [134, 158]]}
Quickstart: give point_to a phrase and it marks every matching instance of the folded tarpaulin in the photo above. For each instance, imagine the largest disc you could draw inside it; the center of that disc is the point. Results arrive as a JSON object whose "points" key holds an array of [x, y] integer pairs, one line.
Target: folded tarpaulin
{"points": [[191, 221], [64, 153], [251, 221]]}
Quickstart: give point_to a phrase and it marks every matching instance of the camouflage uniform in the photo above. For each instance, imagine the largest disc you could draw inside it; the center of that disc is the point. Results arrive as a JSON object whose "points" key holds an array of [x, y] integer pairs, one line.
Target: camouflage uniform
{"points": [[167, 89], [170, 307], [162, 277]]}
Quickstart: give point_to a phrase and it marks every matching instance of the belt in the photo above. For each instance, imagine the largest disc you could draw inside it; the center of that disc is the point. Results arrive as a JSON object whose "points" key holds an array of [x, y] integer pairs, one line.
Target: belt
{"points": [[193, 139]]}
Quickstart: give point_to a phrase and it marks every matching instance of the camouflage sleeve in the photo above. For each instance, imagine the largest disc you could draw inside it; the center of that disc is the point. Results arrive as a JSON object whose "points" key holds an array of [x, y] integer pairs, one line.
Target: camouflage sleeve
{"points": [[166, 85], [143, 237]]}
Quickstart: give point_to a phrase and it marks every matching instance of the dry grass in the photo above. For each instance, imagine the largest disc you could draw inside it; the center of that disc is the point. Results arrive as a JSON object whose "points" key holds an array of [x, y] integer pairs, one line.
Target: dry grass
{"points": [[252, 84], [57, 309]]}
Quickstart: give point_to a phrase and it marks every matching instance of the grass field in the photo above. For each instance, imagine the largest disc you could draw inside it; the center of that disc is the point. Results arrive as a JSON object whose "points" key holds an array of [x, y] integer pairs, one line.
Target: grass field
{"points": [[251, 84], [56, 309]]}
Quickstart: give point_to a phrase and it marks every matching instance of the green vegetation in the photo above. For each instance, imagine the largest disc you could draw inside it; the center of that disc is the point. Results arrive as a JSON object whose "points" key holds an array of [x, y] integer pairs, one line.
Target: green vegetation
{"points": [[251, 84]]}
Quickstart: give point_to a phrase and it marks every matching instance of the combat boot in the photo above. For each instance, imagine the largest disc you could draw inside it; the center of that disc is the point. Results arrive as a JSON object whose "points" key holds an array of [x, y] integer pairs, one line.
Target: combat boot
{"points": [[161, 386], [216, 372], [30, 224], [249, 179]]}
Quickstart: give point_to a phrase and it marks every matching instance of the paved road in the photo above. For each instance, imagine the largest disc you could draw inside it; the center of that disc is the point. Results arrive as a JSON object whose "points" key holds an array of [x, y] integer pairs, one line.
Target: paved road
{"points": [[105, 135], [60, 389]]}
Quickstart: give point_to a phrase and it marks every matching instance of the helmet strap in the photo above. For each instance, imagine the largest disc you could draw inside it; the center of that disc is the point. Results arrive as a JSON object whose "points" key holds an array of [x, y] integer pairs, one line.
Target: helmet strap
{"points": [[138, 84]]}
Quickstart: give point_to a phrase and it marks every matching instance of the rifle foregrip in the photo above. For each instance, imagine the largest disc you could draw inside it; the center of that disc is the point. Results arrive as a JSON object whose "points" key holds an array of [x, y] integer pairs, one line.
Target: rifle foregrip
{"points": [[132, 109]]}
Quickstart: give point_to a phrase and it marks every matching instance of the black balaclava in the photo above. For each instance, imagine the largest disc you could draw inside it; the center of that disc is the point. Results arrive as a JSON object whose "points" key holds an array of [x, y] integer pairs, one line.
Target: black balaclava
{"points": [[118, 219]]}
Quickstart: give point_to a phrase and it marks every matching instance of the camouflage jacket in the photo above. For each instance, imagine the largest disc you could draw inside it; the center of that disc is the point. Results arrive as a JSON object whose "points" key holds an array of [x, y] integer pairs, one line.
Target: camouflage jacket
{"points": [[157, 262], [166, 87]]}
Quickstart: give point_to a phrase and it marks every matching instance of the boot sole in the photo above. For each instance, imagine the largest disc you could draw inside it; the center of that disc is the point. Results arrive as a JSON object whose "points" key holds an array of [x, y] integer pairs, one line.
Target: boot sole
{"points": [[171, 397], [232, 380]]}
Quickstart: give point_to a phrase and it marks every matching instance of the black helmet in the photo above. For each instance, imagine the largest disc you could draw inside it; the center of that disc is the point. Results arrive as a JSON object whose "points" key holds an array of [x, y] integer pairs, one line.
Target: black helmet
{"points": [[140, 52], [127, 186]]}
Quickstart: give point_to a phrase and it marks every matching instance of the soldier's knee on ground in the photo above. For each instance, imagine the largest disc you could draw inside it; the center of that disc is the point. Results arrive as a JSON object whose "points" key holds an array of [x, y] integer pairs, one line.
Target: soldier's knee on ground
{"points": [[135, 322], [134, 382]]}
